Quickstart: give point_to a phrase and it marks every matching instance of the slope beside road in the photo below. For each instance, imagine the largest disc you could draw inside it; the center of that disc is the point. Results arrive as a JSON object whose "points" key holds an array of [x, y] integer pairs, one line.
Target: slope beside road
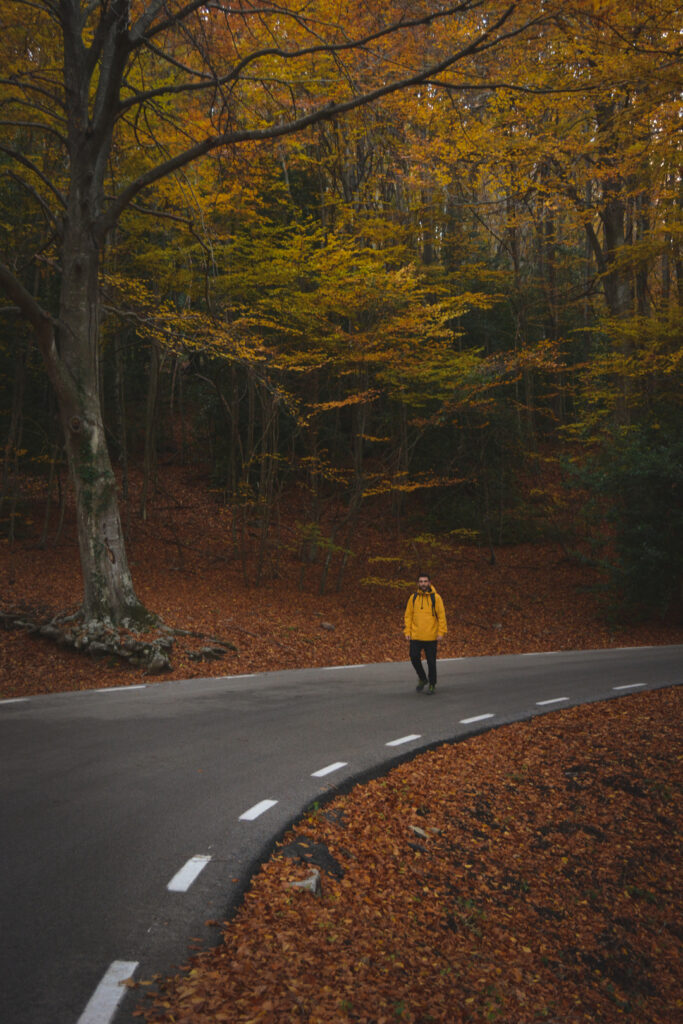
{"points": [[529, 874]]}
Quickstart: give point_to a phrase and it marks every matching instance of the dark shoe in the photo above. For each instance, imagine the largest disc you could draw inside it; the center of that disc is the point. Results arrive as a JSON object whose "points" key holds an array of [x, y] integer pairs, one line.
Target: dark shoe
{"points": [[421, 685], [432, 688]]}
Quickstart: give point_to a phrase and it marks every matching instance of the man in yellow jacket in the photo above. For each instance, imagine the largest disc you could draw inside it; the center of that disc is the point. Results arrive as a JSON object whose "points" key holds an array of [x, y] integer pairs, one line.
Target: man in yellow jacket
{"points": [[425, 624]]}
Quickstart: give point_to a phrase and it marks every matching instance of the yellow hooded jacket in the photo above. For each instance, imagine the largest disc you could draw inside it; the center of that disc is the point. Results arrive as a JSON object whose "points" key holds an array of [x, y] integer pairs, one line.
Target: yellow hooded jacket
{"points": [[424, 622]]}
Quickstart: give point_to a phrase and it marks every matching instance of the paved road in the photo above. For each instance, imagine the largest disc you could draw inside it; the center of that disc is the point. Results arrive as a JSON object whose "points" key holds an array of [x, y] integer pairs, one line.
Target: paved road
{"points": [[106, 796]]}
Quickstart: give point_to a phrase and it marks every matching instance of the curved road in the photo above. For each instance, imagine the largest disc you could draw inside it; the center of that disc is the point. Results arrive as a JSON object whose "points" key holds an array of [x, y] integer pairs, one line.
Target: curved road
{"points": [[132, 816]]}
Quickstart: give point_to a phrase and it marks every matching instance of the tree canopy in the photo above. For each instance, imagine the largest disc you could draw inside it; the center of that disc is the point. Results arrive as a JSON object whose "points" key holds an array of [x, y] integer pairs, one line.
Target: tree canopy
{"points": [[357, 249]]}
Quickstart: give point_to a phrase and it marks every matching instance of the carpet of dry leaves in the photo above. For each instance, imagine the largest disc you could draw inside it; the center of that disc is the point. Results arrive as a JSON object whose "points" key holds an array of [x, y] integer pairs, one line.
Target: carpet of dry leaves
{"points": [[528, 874], [534, 598]]}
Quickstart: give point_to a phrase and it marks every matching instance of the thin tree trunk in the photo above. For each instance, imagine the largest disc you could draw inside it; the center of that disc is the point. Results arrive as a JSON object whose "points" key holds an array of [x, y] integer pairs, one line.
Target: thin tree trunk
{"points": [[122, 436], [61, 491], [181, 413], [48, 501], [13, 439], [269, 449], [234, 469], [150, 429], [643, 228], [328, 558]]}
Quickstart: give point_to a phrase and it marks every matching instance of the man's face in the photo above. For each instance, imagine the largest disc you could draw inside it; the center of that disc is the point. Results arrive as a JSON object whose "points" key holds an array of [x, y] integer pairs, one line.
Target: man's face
{"points": [[423, 582]]}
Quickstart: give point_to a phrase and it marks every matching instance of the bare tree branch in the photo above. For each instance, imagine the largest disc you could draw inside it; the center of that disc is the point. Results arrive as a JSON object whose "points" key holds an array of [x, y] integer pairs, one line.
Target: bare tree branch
{"points": [[29, 306], [481, 43], [34, 126], [47, 212], [309, 51], [20, 158], [22, 82]]}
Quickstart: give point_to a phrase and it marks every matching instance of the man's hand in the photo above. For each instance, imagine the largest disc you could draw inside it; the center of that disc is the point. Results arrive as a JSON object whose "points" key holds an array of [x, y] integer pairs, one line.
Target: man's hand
{"points": [[440, 636], [407, 636]]}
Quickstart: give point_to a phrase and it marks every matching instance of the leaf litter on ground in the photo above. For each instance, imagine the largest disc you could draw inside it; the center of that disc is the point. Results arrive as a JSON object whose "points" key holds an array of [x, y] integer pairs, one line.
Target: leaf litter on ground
{"points": [[533, 597], [528, 874]]}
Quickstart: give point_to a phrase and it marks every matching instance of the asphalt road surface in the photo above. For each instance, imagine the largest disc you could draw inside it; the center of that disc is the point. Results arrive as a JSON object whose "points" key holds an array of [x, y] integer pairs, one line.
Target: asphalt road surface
{"points": [[130, 817]]}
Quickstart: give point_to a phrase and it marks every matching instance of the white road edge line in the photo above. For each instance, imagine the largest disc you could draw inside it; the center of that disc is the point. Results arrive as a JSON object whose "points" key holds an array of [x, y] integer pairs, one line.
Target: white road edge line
{"points": [[14, 700], [183, 879], [630, 686], [340, 668], [109, 993], [257, 810], [329, 769], [403, 739], [117, 689], [477, 718], [555, 700]]}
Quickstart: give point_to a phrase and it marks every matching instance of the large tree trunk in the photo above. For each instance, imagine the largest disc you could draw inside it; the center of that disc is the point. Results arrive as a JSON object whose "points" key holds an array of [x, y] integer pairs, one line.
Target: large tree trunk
{"points": [[73, 364], [108, 592]]}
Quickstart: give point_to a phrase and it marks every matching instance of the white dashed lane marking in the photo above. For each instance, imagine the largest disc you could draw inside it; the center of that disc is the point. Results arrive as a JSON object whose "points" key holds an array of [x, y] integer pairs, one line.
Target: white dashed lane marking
{"points": [[257, 810], [477, 718], [630, 686], [189, 872], [329, 769], [554, 700], [109, 993], [403, 739]]}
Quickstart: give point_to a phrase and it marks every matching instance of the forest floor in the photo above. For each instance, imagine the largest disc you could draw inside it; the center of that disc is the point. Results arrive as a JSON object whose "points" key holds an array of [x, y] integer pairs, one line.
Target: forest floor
{"points": [[527, 874], [187, 567]]}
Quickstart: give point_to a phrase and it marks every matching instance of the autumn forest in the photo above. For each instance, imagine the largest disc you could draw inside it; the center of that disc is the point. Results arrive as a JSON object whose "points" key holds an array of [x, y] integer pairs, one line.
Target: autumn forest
{"points": [[298, 300], [410, 258]]}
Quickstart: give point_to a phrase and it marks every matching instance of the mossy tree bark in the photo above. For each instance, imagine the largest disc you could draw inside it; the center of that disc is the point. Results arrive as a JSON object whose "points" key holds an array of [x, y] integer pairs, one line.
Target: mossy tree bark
{"points": [[109, 593]]}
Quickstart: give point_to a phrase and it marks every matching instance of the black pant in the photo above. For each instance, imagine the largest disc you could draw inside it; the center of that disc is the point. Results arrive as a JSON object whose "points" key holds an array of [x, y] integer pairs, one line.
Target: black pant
{"points": [[429, 647]]}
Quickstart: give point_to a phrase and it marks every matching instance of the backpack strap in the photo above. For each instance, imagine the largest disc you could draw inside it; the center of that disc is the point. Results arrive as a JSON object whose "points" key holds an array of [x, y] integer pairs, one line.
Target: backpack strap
{"points": [[433, 597]]}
